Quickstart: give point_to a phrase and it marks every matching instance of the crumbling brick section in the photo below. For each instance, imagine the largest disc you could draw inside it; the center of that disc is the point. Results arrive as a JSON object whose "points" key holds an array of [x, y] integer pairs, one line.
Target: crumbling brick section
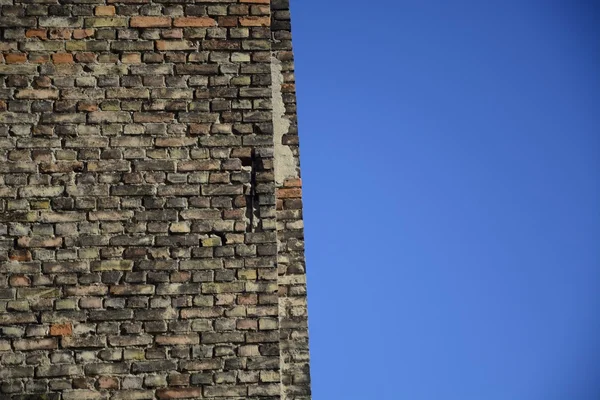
{"points": [[151, 238]]}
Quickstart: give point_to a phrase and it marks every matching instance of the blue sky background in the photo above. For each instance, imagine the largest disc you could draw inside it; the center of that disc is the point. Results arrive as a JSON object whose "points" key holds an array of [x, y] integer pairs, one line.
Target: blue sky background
{"points": [[451, 166]]}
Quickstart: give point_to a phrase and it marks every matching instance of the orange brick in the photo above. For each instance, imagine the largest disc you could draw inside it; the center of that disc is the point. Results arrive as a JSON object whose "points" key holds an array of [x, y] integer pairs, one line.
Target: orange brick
{"points": [[289, 193], [179, 393], [19, 281], [82, 33], [150, 22], [293, 182], [15, 58], [36, 33], [255, 21], [194, 22], [104, 10], [87, 106], [62, 58], [60, 33], [61, 330]]}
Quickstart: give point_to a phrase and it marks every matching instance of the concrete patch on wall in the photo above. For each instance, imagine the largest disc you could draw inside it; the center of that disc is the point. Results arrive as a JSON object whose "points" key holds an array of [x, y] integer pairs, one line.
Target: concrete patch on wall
{"points": [[285, 163]]}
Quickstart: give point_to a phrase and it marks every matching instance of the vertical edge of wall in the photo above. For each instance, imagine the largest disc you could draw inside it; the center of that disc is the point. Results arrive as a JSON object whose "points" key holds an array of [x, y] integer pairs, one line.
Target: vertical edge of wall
{"points": [[293, 316]]}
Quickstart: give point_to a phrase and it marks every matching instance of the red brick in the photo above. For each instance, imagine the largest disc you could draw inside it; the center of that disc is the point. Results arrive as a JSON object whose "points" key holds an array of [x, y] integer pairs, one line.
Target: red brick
{"points": [[60, 33], [36, 33], [150, 22], [131, 58], [194, 22], [19, 281], [62, 58], [87, 106], [15, 58], [179, 393], [255, 21], [289, 193], [83, 33], [61, 330], [293, 182]]}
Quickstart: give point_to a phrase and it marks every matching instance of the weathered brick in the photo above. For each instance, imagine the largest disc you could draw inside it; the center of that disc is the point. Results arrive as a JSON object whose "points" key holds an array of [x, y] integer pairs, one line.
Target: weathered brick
{"points": [[38, 241], [109, 117], [179, 393], [61, 329], [35, 344], [51, 371], [83, 342], [102, 22], [150, 22], [194, 22], [148, 231]]}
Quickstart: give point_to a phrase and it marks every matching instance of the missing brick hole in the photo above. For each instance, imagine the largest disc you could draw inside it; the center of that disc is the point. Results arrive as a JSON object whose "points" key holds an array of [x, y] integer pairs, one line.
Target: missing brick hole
{"points": [[252, 203]]}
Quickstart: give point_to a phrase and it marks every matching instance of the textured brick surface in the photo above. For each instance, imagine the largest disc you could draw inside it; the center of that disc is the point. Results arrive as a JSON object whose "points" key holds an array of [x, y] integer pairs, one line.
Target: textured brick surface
{"points": [[151, 237]]}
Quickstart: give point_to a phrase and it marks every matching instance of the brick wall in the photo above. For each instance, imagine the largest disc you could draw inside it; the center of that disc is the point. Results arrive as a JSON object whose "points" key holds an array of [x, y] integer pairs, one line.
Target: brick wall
{"points": [[151, 242]]}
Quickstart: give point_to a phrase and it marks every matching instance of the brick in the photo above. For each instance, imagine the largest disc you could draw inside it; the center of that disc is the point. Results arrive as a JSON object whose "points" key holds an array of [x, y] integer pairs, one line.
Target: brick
{"points": [[175, 45], [62, 58], [84, 395], [153, 366], [83, 33], [39, 241], [61, 329], [104, 22], [83, 342], [150, 22], [52, 371], [179, 393], [104, 10], [178, 340], [54, 22], [35, 344], [194, 22], [36, 94], [109, 117], [255, 21], [225, 391], [16, 372], [127, 93], [15, 58], [112, 265]]}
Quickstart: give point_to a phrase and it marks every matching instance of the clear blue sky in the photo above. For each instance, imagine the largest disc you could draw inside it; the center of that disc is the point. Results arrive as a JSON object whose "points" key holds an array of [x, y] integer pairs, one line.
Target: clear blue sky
{"points": [[451, 166]]}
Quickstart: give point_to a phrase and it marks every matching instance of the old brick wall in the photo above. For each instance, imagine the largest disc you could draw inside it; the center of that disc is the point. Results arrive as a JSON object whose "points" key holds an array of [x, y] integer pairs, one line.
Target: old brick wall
{"points": [[151, 242]]}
